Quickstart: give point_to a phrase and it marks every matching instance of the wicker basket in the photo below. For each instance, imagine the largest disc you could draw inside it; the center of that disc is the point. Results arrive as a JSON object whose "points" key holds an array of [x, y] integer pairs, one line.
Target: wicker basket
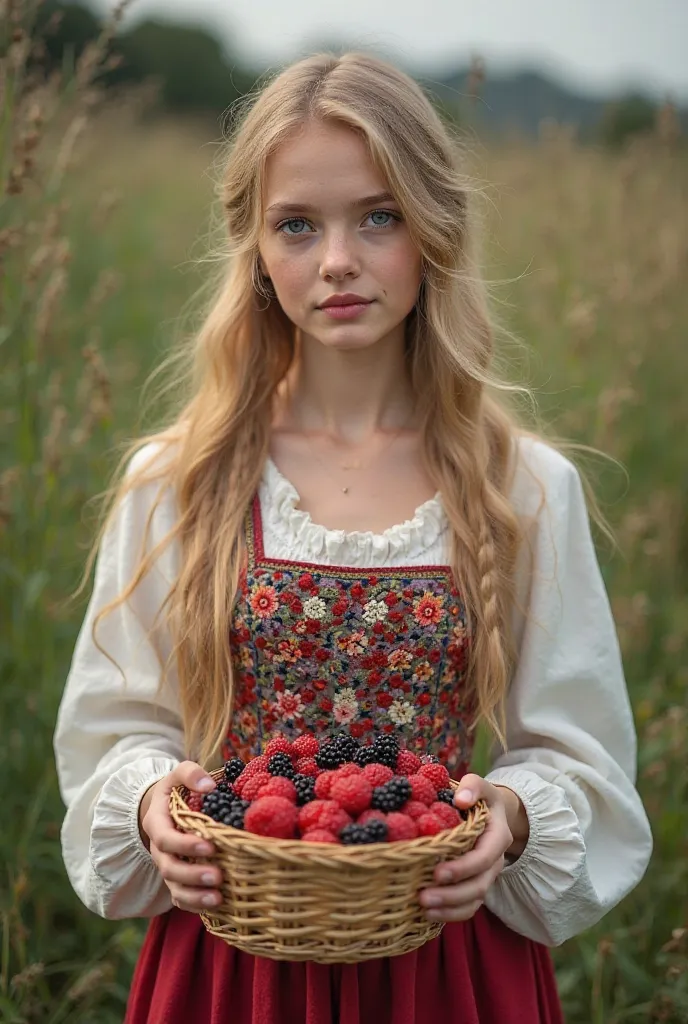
{"points": [[288, 899]]}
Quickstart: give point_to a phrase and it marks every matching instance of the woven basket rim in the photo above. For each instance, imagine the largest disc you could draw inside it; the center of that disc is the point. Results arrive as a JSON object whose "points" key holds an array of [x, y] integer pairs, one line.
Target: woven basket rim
{"points": [[333, 851]]}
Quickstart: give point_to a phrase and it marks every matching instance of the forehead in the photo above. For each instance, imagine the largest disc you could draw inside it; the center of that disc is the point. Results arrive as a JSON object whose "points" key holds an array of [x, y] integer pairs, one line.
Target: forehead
{"points": [[324, 163]]}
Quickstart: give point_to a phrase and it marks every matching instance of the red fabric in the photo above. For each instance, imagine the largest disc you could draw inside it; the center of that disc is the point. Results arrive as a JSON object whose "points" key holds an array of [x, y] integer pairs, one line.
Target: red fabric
{"points": [[477, 972]]}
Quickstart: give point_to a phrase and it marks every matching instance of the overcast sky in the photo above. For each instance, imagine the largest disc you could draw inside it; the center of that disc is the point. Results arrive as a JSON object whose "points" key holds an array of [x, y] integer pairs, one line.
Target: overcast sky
{"points": [[595, 45]]}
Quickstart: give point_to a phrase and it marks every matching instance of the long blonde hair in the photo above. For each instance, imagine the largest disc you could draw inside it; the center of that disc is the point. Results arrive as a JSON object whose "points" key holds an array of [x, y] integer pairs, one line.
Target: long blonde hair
{"points": [[217, 443]]}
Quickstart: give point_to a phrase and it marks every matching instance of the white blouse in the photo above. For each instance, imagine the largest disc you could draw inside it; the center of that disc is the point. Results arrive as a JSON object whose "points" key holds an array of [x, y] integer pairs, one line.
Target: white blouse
{"points": [[571, 739]]}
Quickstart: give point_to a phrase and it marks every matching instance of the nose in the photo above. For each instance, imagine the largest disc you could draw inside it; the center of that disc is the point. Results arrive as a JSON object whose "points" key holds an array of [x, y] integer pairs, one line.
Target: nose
{"points": [[339, 258]]}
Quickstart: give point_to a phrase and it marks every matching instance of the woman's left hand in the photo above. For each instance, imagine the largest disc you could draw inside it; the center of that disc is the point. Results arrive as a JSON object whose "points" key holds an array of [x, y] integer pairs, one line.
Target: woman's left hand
{"points": [[463, 884]]}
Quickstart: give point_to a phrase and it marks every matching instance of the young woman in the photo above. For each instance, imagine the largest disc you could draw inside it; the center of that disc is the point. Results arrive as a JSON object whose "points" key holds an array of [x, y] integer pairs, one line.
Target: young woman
{"points": [[345, 529]]}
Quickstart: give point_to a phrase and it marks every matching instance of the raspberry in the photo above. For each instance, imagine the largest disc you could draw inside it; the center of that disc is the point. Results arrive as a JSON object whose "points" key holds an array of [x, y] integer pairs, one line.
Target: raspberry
{"points": [[309, 814], [437, 773], [346, 770], [422, 789], [378, 774], [414, 809], [252, 786], [305, 746], [320, 835], [323, 785], [400, 826], [256, 764], [449, 816], [307, 766], [279, 786], [333, 818], [407, 763], [372, 815], [195, 802], [280, 745], [271, 816], [429, 825], [352, 793]]}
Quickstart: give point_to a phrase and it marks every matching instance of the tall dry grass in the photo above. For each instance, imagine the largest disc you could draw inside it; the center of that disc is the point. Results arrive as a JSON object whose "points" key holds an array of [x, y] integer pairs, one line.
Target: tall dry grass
{"points": [[98, 217]]}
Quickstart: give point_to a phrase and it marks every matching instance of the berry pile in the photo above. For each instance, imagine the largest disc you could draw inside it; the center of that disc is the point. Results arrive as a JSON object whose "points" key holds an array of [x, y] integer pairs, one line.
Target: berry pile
{"points": [[337, 792]]}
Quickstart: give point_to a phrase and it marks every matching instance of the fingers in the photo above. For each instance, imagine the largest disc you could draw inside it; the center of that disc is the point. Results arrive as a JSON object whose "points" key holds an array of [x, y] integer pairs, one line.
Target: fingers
{"points": [[471, 788], [191, 775], [191, 876], [193, 900], [458, 902]]}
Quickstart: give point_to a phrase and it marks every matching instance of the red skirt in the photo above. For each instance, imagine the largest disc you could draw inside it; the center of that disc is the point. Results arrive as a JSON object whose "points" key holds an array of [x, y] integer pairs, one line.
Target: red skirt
{"points": [[474, 972]]}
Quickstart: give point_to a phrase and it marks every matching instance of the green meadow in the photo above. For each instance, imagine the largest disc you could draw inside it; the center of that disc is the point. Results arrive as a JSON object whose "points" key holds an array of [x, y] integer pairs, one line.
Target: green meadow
{"points": [[104, 222]]}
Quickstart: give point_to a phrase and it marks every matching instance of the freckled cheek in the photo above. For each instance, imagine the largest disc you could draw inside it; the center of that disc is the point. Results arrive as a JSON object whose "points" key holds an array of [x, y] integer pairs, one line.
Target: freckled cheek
{"points": [[293, 283]]}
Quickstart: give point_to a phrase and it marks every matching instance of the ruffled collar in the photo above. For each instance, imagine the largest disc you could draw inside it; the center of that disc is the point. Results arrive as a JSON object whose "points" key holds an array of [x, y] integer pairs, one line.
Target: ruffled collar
{"points": [[314, 542]]}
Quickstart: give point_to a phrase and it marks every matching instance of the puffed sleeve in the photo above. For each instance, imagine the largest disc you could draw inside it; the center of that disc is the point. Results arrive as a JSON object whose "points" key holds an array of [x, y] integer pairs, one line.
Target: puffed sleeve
{"points": [[571, 738], [112, 741]]}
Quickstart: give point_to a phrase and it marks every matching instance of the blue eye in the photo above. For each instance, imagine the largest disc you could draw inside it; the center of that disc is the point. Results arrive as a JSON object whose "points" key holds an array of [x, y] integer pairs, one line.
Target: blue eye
{"points": [[292, 220], [302, 223], [383, 213]]}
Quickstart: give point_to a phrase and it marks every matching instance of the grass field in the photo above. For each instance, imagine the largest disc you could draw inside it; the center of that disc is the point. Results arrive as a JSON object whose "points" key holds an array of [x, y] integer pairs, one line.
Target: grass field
{"points": [[95, 266]]}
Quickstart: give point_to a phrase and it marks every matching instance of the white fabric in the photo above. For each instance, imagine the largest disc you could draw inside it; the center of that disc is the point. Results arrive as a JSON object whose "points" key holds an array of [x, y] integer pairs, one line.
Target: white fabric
{"points": [[572, 743]]}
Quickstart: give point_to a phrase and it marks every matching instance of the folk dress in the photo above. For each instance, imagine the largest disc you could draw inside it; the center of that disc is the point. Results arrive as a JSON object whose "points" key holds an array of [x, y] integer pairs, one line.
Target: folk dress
{"points": [[363, 632]]}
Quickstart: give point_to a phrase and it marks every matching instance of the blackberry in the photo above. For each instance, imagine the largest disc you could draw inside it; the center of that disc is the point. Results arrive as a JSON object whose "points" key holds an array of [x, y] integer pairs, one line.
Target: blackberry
{"points": [[392, 796], [377, 830], [280, 764], [329, 757], [364, 756], [355, 835], [305, 789], [345, 745], [233, 769], [386, 749], [446, 795], [234, 817], [430, 759]]}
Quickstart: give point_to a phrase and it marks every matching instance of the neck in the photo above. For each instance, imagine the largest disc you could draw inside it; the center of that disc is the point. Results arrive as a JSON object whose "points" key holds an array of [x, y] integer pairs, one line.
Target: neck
{"points": [[348, 394]]}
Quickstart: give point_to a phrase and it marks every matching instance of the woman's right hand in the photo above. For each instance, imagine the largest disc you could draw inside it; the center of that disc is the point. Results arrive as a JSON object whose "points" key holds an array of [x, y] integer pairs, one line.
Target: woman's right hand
{"points": [[194, 887]]}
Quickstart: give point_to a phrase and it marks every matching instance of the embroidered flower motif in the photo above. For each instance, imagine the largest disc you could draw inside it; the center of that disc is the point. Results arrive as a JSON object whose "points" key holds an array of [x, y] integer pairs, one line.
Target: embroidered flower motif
{"points": [[375, 611], [399, 659], [314, 608], [288, 705], [345, 706], [428, 609], [264, 601], [288, 651], [401, 712], [353, 644], [299, 666], [423, 672]]}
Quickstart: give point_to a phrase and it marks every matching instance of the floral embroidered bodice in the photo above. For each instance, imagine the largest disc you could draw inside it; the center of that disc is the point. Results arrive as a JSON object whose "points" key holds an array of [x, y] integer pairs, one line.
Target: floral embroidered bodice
{"points": [[324, 649]]}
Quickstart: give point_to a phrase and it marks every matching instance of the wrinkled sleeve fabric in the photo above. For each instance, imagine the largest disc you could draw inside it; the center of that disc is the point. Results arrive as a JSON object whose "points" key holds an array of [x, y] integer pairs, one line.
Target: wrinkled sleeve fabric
{"points": [[571, 738], [116, 733]]}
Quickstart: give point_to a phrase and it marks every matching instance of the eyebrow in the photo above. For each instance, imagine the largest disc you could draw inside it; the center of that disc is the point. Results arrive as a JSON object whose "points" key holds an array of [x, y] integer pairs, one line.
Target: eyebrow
{"points": [[380, 197]]}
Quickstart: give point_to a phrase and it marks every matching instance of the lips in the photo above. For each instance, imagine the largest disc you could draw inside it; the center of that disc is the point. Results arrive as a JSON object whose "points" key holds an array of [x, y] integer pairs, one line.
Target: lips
{"points": [[349, 299]]}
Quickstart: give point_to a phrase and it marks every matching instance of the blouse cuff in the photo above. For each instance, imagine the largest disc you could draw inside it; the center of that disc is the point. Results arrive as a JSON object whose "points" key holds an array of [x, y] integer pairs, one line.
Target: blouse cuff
{"points": [[132, 885], [554, 855]]}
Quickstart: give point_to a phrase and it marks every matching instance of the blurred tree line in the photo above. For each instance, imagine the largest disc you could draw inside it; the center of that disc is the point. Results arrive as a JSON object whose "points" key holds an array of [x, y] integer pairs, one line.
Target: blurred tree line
{"points": [[194, 73]]}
